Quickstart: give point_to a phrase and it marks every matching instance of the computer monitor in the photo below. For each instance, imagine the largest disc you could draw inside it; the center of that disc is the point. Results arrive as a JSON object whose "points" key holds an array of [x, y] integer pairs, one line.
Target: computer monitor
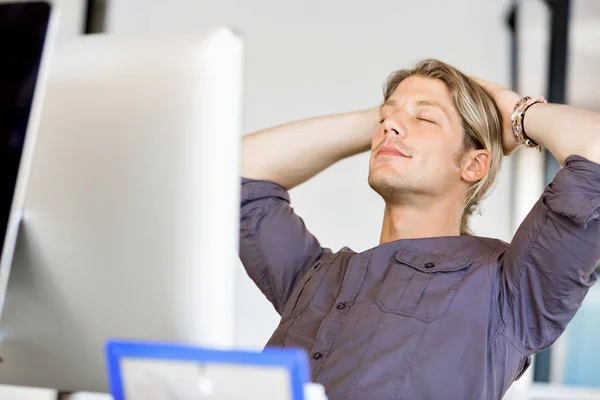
{"points": [[131, 217], [26, 30]]}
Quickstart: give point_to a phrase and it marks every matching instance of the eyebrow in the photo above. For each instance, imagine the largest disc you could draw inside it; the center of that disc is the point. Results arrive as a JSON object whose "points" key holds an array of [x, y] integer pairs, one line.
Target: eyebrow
{"points": [[389, 103]]}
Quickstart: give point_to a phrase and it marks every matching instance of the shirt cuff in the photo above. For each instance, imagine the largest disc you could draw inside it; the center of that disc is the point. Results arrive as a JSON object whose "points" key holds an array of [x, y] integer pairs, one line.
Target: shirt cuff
{"points": [[253, 189], [575, 191]]}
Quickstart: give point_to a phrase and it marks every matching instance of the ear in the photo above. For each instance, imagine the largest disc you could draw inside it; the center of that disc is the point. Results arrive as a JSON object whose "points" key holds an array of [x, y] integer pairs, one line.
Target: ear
{"points": [[476, 164]]}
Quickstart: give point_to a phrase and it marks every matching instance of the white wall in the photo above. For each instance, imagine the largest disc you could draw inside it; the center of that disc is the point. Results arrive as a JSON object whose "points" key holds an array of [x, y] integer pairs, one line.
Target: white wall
{"points": [[317, 57], [72, 18]]}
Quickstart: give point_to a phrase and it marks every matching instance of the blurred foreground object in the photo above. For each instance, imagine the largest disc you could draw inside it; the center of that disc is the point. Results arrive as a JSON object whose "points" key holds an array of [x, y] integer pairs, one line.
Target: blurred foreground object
{"points": [[131, 219]]}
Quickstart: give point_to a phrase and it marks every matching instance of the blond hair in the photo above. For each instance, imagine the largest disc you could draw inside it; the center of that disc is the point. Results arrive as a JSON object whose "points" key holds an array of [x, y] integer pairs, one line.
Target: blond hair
{"points": [[480, 119]]}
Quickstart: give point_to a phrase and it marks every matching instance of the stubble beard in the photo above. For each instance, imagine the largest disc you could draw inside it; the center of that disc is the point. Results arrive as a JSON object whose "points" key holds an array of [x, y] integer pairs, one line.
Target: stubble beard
{"points": [[390, 188]]}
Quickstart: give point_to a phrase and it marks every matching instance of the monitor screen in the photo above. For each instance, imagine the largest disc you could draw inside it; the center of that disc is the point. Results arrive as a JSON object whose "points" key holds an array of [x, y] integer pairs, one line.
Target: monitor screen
{"points": [[23, 29]]}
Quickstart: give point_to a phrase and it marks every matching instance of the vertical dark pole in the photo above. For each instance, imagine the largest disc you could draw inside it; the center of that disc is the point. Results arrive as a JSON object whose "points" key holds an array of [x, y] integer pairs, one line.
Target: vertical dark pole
{"points": [[511, 21], [557, 74], [95, 16], [557, 93], [559, 46]]}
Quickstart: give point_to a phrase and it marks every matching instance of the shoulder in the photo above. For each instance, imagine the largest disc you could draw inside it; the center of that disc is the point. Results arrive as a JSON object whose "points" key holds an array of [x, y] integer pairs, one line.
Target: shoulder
{"points": [[492, 244], [492, 250]]}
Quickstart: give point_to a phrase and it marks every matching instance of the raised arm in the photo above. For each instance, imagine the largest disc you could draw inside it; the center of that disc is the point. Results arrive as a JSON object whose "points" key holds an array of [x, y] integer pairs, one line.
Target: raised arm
{"points": [[292, 153], [276, 248], [549, 266], [564, 130]]}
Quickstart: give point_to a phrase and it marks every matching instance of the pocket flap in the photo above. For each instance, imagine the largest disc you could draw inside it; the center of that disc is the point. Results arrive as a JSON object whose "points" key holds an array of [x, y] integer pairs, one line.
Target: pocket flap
{"points": [[432, 262]]}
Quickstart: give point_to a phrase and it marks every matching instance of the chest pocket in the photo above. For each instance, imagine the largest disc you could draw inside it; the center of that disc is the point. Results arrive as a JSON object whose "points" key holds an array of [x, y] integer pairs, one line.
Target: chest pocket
{"points": [[422, 284]]}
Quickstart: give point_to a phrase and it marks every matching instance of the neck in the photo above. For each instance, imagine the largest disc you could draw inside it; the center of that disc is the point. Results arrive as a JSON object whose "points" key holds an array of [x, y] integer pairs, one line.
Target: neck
{"points": [[420, 220]]}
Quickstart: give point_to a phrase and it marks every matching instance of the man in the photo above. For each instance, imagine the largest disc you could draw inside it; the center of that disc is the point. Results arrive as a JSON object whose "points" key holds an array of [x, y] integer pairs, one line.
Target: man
{"points": [[432, 312]]}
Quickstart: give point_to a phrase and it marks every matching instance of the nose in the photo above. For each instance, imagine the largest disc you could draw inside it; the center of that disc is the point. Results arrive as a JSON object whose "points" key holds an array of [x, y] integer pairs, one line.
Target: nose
{"points": [[393, 127]]}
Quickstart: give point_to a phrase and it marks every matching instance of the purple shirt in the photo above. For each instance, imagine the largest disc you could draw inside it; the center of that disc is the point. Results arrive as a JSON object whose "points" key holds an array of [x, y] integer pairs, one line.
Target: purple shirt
{"points": [[454, 317]]}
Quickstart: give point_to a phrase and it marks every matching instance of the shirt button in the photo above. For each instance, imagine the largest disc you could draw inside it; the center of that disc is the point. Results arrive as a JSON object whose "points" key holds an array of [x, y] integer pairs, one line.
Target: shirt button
{"points": [[429, 265], [317, 355], [317, 265], [341, 306]]}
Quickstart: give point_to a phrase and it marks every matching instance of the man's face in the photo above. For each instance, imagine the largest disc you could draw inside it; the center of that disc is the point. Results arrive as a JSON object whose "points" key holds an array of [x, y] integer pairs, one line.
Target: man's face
{"points": [[417, 148]]}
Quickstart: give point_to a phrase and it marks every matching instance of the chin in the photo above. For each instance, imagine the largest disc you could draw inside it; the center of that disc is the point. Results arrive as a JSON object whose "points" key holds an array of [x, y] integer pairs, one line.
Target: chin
{"points": [[387, 185]]}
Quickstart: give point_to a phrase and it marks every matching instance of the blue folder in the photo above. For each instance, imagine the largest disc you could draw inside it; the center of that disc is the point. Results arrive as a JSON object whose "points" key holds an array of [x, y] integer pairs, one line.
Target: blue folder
{"points": [[292, 360]]}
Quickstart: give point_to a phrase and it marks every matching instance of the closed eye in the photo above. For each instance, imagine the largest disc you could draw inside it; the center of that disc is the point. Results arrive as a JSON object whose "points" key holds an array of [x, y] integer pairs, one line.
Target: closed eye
{"points": [[427, 120]]}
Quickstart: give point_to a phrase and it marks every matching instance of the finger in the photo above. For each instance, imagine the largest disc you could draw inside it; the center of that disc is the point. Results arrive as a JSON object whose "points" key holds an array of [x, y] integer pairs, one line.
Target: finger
{"points": [[488, 86]]}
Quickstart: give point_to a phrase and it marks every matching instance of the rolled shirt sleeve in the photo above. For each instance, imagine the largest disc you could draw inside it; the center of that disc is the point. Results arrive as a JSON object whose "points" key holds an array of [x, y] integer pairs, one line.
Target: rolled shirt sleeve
{"points": [[276, 249], [549, 266]]}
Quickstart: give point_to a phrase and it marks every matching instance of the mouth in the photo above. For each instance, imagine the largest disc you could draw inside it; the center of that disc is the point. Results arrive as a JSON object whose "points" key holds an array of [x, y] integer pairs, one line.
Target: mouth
{"points": [[391, 151]]}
